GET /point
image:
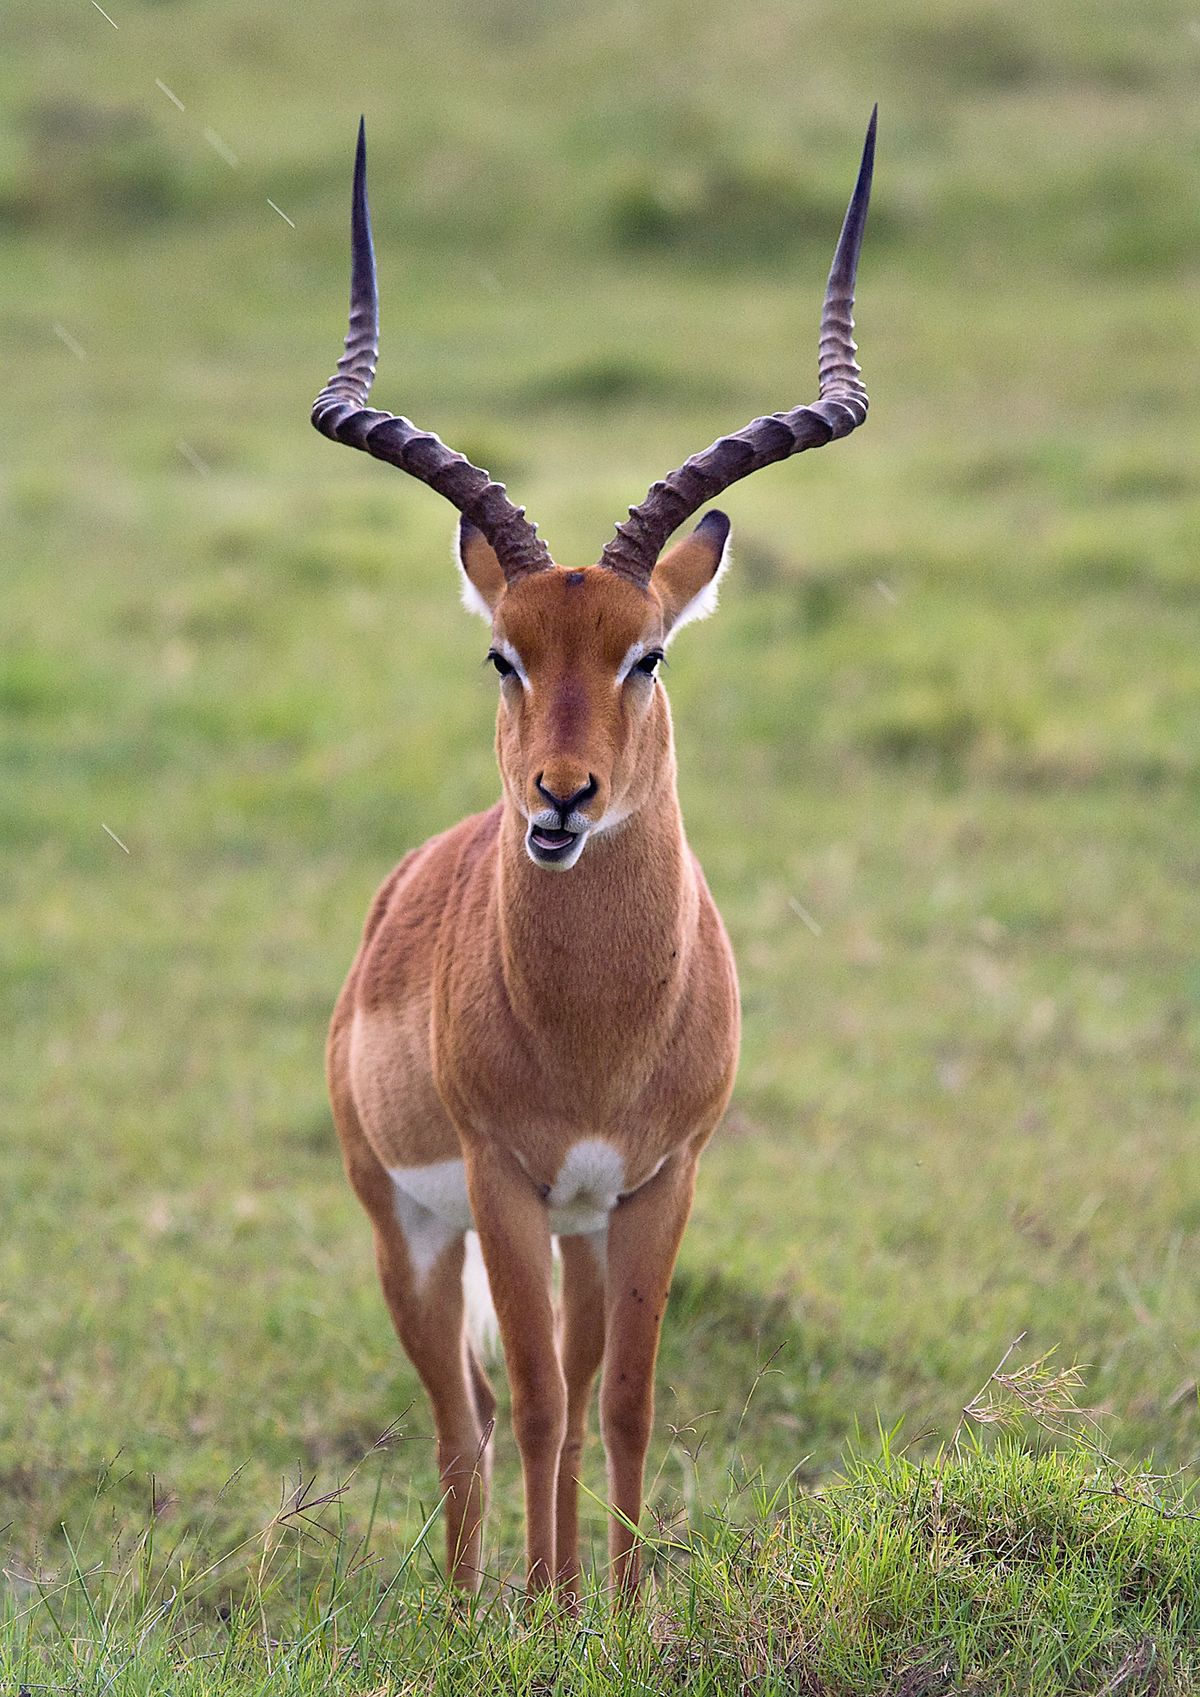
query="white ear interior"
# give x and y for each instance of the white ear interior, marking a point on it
(701, 605)
(472, 600)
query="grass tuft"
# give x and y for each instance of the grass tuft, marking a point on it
(1005, 1570)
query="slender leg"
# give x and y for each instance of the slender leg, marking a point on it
(427, 1311)
(428, 1317)
(582, 1350)
(514, 1233)
(643, 1240)
(481, 1387)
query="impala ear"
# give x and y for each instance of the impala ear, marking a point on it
(688, 575)
(483, 577)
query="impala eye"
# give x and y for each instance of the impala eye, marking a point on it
(501, 664)
(648, 664)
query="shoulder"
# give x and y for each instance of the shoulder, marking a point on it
(434, 863)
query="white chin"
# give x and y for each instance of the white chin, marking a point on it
(561, 860)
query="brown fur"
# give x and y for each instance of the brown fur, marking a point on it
(501, 1012)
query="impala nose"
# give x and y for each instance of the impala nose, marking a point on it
(565, 803)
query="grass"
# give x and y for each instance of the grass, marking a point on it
(983, 1570)
(948, 712)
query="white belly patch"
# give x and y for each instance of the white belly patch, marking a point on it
(587, 1187)
(431, 1210)
(432, 1207)
(439, 1189)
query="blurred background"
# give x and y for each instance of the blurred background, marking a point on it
(939, 751)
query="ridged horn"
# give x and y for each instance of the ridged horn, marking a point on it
(340, 412)
(840, 408)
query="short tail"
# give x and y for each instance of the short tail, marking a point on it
(482, 1328)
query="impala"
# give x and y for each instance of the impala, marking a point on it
(540, 1031)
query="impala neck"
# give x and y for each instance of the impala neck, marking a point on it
(609, 940)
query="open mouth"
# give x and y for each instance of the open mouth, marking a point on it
(550, 843)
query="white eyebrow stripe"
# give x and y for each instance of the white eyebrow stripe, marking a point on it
(633, 654)
(504, 647)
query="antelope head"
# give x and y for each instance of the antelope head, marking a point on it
(583, 728)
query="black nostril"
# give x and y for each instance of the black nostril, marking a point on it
(565, 803)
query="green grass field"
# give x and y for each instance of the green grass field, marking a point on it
(940, 756)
